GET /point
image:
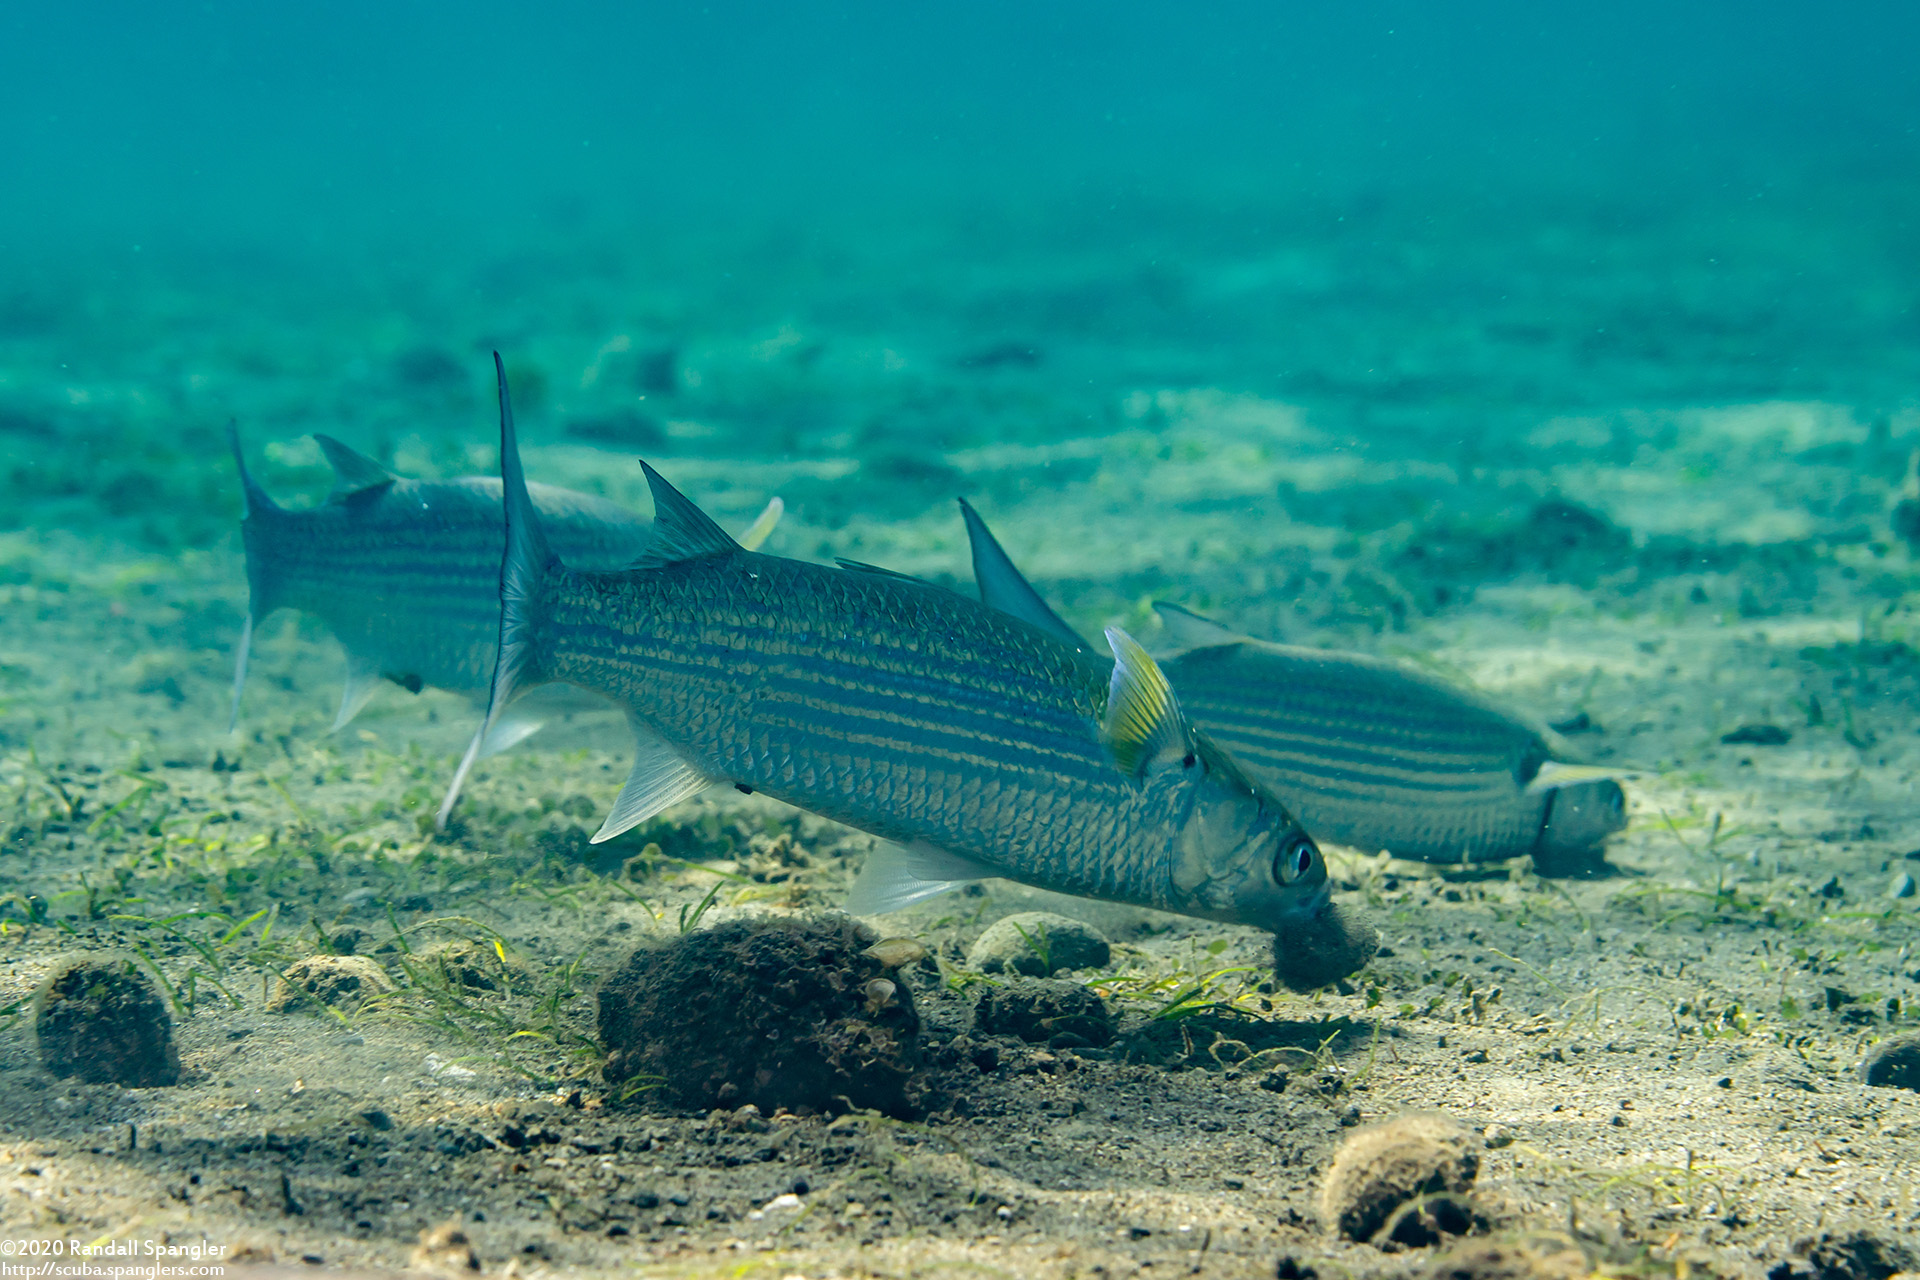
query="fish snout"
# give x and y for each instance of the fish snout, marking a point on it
(1324, 946)
(1584, 814)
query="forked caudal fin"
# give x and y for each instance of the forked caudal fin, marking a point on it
(523, 567)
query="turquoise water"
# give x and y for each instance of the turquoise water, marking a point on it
(1576, 357)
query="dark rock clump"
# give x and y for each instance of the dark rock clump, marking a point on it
(1855, 1255)
(777, 1012)
(1050, 1011)
(98, 1019)
(1894, 1064)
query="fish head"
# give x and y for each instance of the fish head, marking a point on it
(1238, 853)
(1241, 856)
(1584, 814)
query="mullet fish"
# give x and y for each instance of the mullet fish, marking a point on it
(406, 573)
(1367, 752)
(975, 744)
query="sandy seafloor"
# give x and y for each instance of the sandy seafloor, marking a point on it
(1345, 425)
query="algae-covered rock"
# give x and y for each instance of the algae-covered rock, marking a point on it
(1044, 1011)
(341, 981)
(1387, 1179)
(1039, 944)
(776, 1012)
(99, 1019)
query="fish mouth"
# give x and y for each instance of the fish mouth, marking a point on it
(1324, 947)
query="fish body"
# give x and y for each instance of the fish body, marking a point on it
(1378, 756)
(1366, 752)
(975, 743)
(405, 573)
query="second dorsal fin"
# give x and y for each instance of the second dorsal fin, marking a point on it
(1004, 587)
(355, 475)
(681, 531)
(1188, 630)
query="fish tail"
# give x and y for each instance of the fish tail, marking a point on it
(258, 512)
(525, 566)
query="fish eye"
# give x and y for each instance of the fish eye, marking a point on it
(1294, 860)
(1187, 761)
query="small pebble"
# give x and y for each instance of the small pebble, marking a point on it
(1498, 1136)
(896, 953)
(1902, 887)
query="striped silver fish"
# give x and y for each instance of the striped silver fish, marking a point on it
(1368, 753)
(405, 573)
(973, 743)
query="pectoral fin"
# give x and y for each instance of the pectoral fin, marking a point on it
(1144, 725)
(661, 778)
(898, 876)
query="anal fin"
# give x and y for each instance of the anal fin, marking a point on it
(661, 777)
(534, 711)
(363, 677)
(245, 653)
(898, 876)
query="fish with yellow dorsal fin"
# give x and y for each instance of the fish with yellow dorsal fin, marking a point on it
(1367, 752)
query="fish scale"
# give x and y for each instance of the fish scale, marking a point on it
(810, 684)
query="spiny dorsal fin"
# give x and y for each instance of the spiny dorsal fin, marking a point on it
(1188, 630)
(1144, 725)
(1003, 587)
(681, 531)
(355, 475)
